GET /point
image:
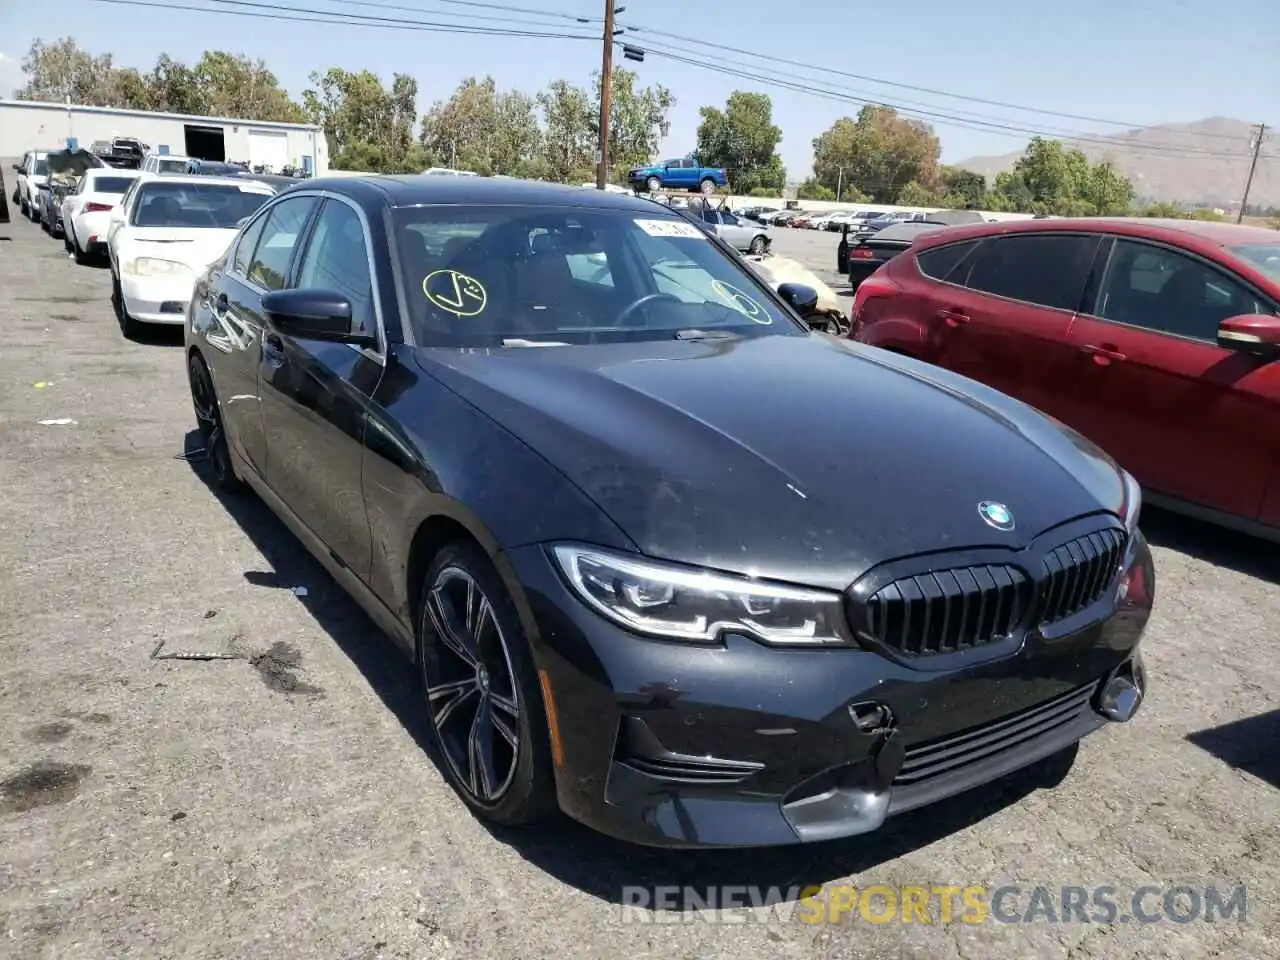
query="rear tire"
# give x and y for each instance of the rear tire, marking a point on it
(480, 690)
(707, 186)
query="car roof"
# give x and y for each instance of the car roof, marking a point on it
(198, 180)
(1199, 232)
(408, 190)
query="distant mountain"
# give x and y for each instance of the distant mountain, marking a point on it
(1201, 163)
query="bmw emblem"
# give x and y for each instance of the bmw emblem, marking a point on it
(996, 515)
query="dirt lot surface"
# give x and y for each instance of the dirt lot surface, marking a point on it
(278, 803)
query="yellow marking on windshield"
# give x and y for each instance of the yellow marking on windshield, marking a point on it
(744, 304)
(455, 292)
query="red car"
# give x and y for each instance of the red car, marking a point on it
(1155, 339)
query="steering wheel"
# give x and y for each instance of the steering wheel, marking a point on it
(646, 299)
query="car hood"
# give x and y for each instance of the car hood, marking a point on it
(197, 247)
(806, 459)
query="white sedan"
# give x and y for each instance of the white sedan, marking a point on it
(164, 233)
(86, 213)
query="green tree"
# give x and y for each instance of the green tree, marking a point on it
(811, 189)
(637, 119)
(174, 87)
(568, 139)
(367, 126)
(879, 153)
(916, 194)
(232, 85)
(481, 129)
(743, 139)
(1052, 179)
(964, 189)
(61, 71)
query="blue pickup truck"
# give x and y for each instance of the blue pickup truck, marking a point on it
(683, 174)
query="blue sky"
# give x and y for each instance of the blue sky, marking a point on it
(1134, 61)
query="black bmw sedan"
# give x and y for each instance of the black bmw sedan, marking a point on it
(663, 556)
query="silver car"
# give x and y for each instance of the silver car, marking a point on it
(745, 235)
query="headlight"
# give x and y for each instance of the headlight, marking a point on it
(1132, 502)
(682, 603)
(151, 267)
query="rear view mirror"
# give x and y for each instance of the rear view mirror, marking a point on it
(801, 298)
(1256, 333)
(313, 315)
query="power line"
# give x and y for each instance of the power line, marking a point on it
(345, 20)
(897, 84)
(703, 61)
(401, 21)
(477, 4)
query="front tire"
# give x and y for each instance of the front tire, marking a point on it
(757, 246)
(653, 184)
(130, 327)
(204, 398)
(480, 690)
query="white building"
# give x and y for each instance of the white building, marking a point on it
(26, 125)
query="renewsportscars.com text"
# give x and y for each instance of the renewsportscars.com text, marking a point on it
(935, 904)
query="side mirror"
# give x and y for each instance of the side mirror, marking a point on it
(313, 315)
(801, 298)
(1256, 333)
(18, 167)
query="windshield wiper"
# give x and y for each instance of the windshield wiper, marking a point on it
(704, 335)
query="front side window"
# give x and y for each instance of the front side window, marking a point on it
(190, 205)
(40, 167)
(245, 246)
(517, 276)
(283, 229)
(337, 259)
(1170, 292)
(1049, 270)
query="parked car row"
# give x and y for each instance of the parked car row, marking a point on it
(1158, 340)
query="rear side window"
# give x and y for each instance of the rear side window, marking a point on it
(1049, 270)
(112, 184)
(939, 263)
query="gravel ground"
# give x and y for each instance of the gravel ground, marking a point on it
(279, 803)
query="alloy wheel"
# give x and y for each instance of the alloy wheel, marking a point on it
(471, 689)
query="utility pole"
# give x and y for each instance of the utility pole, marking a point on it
(839, 183)
(1253, 165)
(606, 94)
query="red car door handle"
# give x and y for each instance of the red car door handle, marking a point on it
(953, 316)
(1108, 353)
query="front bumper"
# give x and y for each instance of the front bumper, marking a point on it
(161, 299)
(671, 744)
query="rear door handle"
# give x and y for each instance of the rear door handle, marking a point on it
(1103, 352)
(953, 317)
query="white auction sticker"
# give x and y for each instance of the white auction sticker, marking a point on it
(670, 228)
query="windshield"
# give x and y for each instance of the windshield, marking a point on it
(535, 276)
(1264, 256)
(196, 205)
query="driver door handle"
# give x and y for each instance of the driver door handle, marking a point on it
(953, 316)
(1104, 352)
(272, 348)
(220, 306)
